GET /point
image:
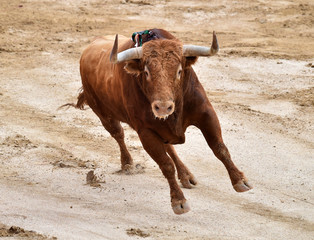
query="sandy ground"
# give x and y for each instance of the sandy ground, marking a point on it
(261, 85)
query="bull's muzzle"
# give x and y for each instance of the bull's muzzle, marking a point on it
(163, 109)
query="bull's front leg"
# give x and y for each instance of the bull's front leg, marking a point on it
(156, 149)
(186, 177)
(208, 123)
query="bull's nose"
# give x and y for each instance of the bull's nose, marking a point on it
(162, 109)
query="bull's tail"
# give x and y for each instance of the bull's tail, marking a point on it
(81, 101)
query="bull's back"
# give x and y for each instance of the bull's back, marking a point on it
(101, 85)
(99, 49)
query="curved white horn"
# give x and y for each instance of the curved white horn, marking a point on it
(193, 50)
(129, 54)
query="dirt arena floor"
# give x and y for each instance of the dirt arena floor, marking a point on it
(261, 84)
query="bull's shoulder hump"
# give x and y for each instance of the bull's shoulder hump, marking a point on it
(112, 37)
(105, 42)
(108, 39)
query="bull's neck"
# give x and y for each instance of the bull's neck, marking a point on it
(176, 122)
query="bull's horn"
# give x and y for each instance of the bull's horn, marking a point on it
(113, 55)
(193, 50)
(129, 54)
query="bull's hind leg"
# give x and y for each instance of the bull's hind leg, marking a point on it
(116, 131)
(185, 176)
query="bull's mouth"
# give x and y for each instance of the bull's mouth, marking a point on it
(165, 117)
(162, 109)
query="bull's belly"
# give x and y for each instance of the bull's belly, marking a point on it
(169, 135)
(177, 140)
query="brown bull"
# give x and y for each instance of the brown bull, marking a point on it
(155, 90)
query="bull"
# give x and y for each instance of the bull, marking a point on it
(154, 89)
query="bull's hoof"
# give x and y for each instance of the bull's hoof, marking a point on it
(242, 186)
(126, 169)
(187, 181)
(130, 169)
(180, 207)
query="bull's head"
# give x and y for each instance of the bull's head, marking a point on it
(160, 66)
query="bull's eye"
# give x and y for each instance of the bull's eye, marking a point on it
(146, 72)
(179, 72)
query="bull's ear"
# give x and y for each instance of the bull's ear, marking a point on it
(133, 67)
(189, 61)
